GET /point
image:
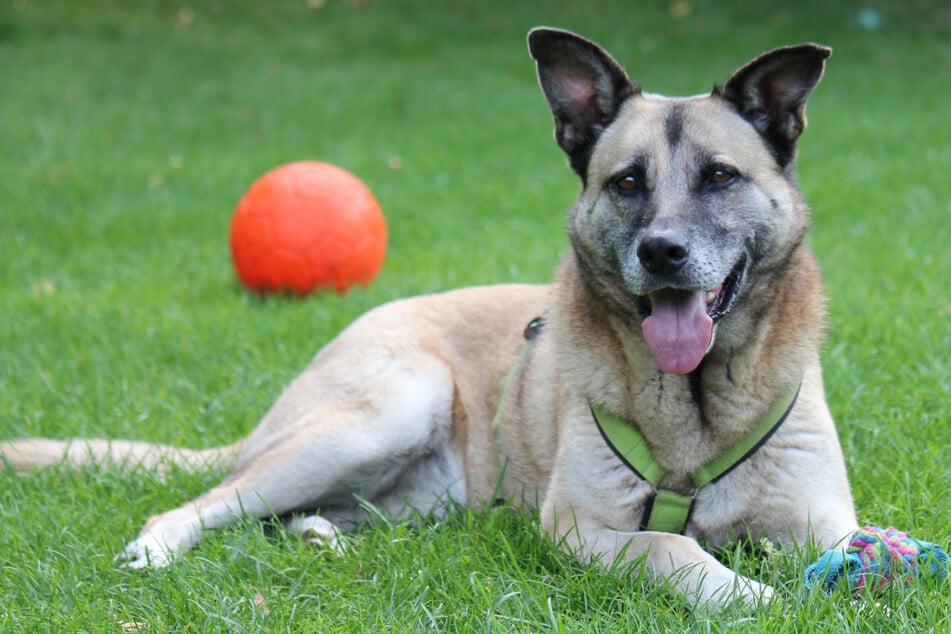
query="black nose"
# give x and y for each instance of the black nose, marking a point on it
(663, 252)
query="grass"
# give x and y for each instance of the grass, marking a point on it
(131, 129)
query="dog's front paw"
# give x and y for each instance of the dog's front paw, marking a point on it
(717, 586)
(753, 593)
(739, 589)
(145, 552)
(319, 532)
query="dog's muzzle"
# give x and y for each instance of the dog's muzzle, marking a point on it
(678, 324)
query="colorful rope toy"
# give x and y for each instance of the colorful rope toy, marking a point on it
(875, 557)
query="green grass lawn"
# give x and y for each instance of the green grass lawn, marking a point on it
(128, 131)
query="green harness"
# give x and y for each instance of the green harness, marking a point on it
(667, 510)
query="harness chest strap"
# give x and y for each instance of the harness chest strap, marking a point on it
(668, 510)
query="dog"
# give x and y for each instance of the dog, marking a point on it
(680, 336)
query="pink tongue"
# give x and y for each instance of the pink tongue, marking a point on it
(678, 330)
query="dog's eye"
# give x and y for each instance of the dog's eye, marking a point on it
(627, 183)
(721, 175)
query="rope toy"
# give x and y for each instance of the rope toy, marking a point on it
(875, 557)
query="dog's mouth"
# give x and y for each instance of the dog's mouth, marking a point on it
(678, 324)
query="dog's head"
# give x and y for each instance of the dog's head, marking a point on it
(683, 199)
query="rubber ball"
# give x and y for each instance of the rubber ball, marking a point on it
(306, 226)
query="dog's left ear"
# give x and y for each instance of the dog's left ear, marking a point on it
(771, 92)
(584, 86)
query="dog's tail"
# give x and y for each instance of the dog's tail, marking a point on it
(25, 454)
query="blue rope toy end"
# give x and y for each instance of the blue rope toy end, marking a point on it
(875, 557)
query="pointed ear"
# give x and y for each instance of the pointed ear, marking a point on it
(771, 92)
(584, 86)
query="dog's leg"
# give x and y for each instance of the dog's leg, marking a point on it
(371, 444)
(673, 559)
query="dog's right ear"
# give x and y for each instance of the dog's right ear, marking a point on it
(771, 92)
(584, 86)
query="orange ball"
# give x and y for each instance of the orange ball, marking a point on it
(307, 225)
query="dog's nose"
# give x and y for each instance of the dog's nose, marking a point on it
(663, 252)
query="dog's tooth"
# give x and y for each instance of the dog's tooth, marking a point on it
(711, 297)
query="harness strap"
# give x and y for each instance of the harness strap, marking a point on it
(750, 443)
(668, 510)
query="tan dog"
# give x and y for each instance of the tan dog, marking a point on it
(685, 316)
